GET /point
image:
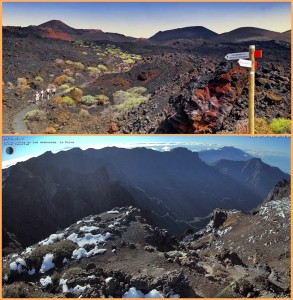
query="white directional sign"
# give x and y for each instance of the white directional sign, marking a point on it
(232, 56)
(245, 63)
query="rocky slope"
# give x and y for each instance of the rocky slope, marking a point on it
(117, 254)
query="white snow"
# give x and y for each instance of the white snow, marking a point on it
(47, 263)
(224, 231)
(21, 261)
(133, 293)
(32, 271)
(113, 212)
(81, 252)
(91, 277)
(52, 239)
(78, 289)
(111, 226)
(45, 281)
(17, 265)
(27, 250)
(174, 296)
(64, 285)
(14, 255)
(88, 239)
(275, 208)
(88, 228)
(108, 279)
(154, 294)
(5, 277)
(13, 266)
(64, 260)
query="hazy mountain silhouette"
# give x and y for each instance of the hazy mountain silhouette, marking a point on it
(54, 190)
(230, 153)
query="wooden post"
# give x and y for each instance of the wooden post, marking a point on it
(251, 90)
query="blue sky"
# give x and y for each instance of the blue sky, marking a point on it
(272, 150)
(143, 19)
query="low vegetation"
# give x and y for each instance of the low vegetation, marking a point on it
(35, 115)
(88, 100)
(131, 98)
(68, 101)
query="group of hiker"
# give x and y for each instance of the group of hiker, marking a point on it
(48, 92)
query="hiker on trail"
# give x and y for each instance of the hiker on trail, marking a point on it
(54, 90)
(42, 94)
(37, 97)
(48, 91)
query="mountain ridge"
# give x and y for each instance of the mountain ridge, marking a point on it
(57, 29)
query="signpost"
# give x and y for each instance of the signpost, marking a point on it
(239, 55)
(251, 63)
(244, 63)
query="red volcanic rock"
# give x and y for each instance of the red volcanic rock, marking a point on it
(204, 110)
(113, 128)
(50, 33)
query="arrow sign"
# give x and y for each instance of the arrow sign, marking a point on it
(232, 56)
(245, 63)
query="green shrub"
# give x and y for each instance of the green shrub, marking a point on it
(62, 79)
(39, 78)
(67, 100)
(102, 68)
(79, 65)
(102, 99)
(281, 125)
(22, 83)
(131, 98)
(129, 61)
(64, 87)
(35, 115)
(76, 94)
(70, 80)
(261, 126)
(62, 249)
(88, 100)
(93, 69)
(69, 62)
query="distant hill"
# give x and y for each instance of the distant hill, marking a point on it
(194, 32)
(253, 174)
(244, 34)
(230, 153)
(56, 29)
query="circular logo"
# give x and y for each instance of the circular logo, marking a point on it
(9, 150)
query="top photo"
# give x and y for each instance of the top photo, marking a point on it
(146, 68)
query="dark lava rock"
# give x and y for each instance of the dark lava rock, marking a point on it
(219, 217)
(90, 266)
(132, 246)
(231, 258)
(204, 110)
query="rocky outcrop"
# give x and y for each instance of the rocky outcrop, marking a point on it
(203, 110)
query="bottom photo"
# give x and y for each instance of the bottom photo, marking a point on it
(146, 217)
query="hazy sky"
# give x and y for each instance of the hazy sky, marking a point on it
(145, 19)
(272, 150)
